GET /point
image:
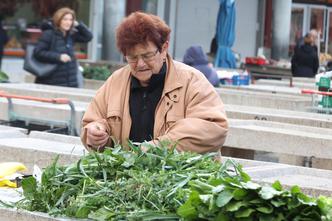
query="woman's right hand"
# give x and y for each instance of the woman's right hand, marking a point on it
(65, 58)
(97, 136)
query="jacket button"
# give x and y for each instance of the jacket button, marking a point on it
(167, 103)
(174, 96)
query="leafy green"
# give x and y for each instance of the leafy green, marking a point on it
(163, 184)
(96, 72)
(3, 77)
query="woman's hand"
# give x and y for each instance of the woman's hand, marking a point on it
(65, 58)
(76, 23)
(97, 136)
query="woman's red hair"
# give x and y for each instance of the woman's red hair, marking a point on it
(139, 28)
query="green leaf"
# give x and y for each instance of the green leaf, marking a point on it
(268, 193)
(129, 160)
(277, 185)
(250, 185)
(305, 200)
(221, 217)
(295, 190)
(3, 76)
(188, 209)
(82, 212)
(239, 194)
(205, 198)
(101, 214)
(235, 205)
(29, 186)
(277, 202)
(223, 198)
(243, 213)
(267, 209)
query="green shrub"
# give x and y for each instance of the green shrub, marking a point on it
(96, 72)
(3, 77)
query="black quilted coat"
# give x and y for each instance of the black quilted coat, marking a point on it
(51, 45)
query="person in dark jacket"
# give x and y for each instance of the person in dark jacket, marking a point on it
(3, 40)
(195, 57)
(56, 45)
(305, 59)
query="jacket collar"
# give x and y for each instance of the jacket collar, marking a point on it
(173, 78)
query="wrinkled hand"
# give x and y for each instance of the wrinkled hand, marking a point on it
(97, 136)
(65, 58)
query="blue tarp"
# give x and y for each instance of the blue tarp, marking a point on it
(225, 34)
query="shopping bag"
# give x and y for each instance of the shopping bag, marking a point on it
(35, 67)
(79, 75)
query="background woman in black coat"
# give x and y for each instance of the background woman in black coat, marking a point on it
(56, 45)
(305, 59)
(3, 40)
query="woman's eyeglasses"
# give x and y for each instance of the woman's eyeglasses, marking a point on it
(145, 57)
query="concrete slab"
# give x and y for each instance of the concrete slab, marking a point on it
(304, 83)
(48, 91)
(277, 115)
(6, 131)
(314, 182)
(14, 68)
(87, 84)
(265, 99)
(303, 80)
(41, 149)
(273, 89)
(280, 138)
(51, 114)
(20, 215)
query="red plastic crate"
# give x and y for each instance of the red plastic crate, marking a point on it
(255, 60)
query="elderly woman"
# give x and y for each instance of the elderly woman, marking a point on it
(56, 45)
(154, 98)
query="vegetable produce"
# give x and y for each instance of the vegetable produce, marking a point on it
(3, 77)
(162, 184)
(96, 72)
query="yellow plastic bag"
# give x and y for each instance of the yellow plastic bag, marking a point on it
(7, 169)
(7, 183)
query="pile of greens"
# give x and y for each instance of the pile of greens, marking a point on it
(96, 72)
(162, 184)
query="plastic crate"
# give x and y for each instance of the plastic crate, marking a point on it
(324, 82)
(255, 60)
(241, 80)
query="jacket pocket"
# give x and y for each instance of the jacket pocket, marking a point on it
(171, 119)
(114, 120)
(114, 117)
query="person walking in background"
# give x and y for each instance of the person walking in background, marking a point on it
(56, 45)
(154, 98)
(315, 40)
(3, 40)
(305, 61)
(195, 57)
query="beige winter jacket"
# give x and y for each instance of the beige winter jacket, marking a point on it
(190, 112)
